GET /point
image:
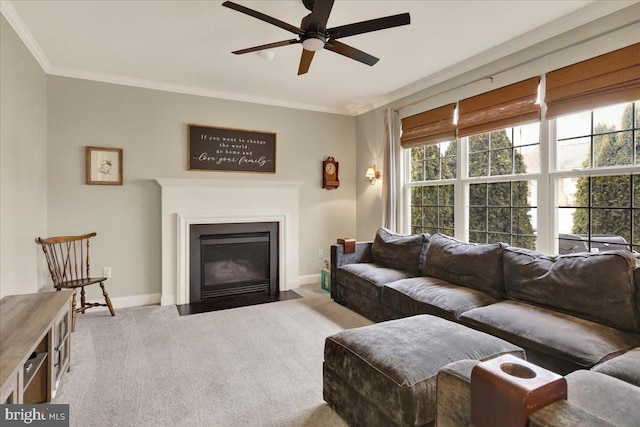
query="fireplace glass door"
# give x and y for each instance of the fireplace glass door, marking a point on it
(233, 259)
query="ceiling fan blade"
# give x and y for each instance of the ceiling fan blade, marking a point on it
(351, 52)
(368, 26)
(305, 61)
(263, 17)
(266, 46)
(321, 11)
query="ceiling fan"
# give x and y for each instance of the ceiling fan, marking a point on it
(314, 35)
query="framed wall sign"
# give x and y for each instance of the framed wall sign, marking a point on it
(231, 150)
(104, 166)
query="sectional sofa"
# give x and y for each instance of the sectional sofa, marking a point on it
(568, 312)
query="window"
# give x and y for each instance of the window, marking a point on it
(432, 204)
(569, 182)
(599, 138)
(433, 162)
(502, 212)
(598, 212)
(432, 208)
(500, 136)
(505, 152)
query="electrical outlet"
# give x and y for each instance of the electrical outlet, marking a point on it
(106, 271)
(320, 253)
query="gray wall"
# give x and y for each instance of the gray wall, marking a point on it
(370, 146)
(151, 127)
(23, 165)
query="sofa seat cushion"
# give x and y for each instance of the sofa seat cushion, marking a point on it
(595, 286)
(625, 367)
(368, 279)
(399, 251)
(391, 367)
(429, 295)
(593, 399)
(581, 342)
(466, 264)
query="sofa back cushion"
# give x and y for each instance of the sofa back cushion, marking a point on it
(467, 264)
(595, 286)
(399, 251)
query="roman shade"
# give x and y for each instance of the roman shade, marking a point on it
(508, 106)
(430, 127)
(606, 79)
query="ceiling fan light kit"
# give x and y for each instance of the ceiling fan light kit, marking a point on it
(314, 34)
(313, 43)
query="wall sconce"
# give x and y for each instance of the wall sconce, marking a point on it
(373, 174)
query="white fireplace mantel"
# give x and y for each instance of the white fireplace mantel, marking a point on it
(207, 201)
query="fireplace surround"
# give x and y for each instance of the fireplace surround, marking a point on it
(214, 201)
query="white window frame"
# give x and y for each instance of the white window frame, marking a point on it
(461, 187)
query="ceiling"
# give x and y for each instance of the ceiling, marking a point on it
(185, 46)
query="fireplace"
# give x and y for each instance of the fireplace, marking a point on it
(232, 259)
(187, 202)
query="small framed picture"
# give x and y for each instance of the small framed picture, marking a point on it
(104, 166)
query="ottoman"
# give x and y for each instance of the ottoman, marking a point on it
(385, 374)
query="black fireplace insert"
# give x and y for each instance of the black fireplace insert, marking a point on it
(233, 259)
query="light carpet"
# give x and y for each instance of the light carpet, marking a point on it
(250, 366)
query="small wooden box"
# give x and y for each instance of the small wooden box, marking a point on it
(506, 390)
(349, 244)
(325, 279)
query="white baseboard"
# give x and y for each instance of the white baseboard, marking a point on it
(133, 301)
(168, 300)
(291, 284)
(310, 279)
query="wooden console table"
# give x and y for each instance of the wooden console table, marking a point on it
(33, 323)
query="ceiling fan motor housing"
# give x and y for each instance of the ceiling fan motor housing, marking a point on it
(315, 35)
(309, 4)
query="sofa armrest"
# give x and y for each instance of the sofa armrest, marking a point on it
(339, 258)
(454, 402)
(563, 414)
(453, 390)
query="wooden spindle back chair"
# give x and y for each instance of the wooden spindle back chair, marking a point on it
(69, 266)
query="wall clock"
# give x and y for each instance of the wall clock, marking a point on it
(330, 174)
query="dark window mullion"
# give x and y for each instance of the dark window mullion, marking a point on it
(511, 208)
(592, 162)
(631, 194)
(486, 209)
(634, 135)
(513, 152)
(590, 201)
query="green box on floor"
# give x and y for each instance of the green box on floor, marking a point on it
(325, 279)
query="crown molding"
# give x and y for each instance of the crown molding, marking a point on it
(188, 90)
(10, 14)
(559, 26)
